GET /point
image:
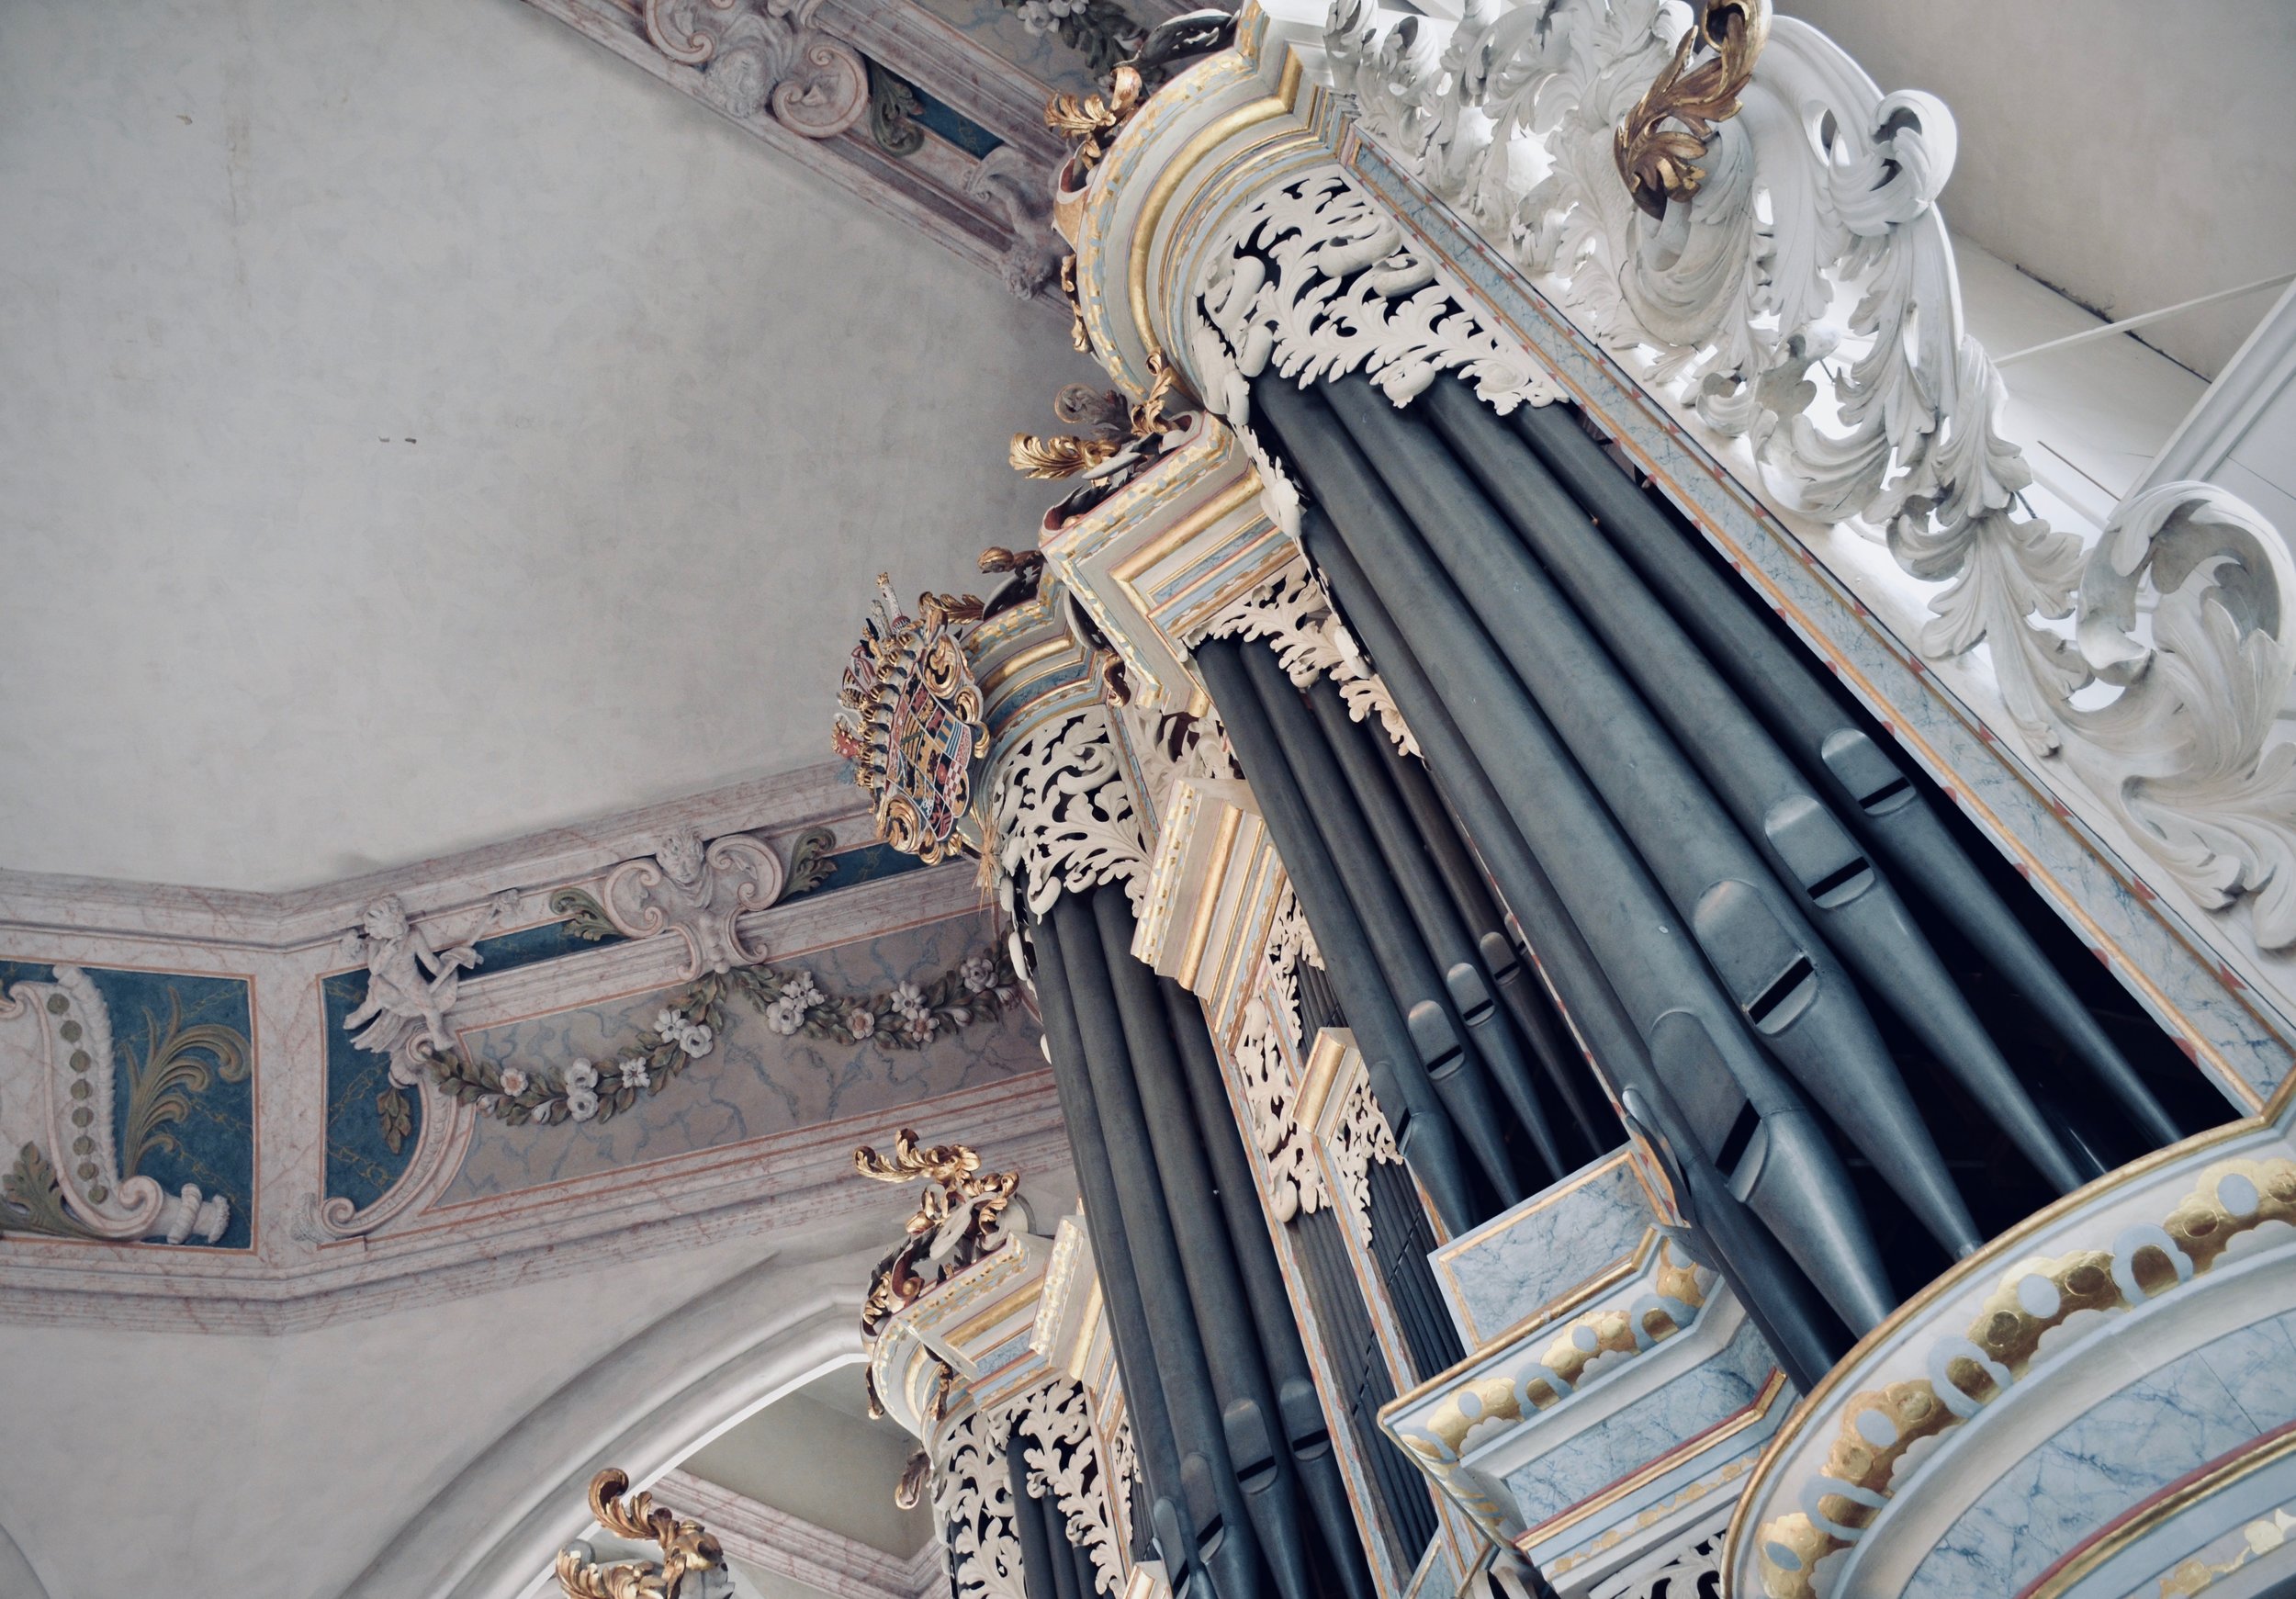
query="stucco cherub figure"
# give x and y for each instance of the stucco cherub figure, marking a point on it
(411, 981)
(700, 893)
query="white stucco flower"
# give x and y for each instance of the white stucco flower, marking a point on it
(635, 1074)
(860, 1022)
(919, 1028)
(1036, 17)
(667, 1022)
(801, 991)
(978, 972)
(909, 1000)
(784, 1018)
(580, 1076)
(580, 1104)
(514, 1081)
(696, 1039)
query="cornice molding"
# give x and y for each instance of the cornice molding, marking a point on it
(786, 1545)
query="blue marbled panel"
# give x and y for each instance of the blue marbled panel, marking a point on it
(199, 1122)
(1589, 1460)
(755, 1083)
(1534, 1253)
(2129, 1447)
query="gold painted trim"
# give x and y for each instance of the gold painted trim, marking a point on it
(1730, 1427)
(1208, 896)
(2005, 1248)
(1021, 660)
(1227, 500)
(1331, 1047)
(1002, 1310)
(2268, 1450)
(1207, 138)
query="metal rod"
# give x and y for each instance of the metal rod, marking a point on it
(1399, 1083)
(1226, 1542)
(1307, 1432)
(1112, 1260)
(1844, 895)
(1440, 929)
(1782, 976)
(1643, 962)
(1875, 797)
(1436, 1027)
(2143, 319)
(1246, 1398)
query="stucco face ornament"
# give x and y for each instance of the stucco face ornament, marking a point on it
(909, 720)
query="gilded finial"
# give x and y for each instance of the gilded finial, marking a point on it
(688, 1551)
(1660, 163)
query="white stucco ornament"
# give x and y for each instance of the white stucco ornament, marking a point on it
(699, 894)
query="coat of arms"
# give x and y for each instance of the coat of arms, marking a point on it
(909, 720)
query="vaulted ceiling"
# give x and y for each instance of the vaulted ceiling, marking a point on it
(424, 427)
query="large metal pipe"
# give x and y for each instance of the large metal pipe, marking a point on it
(1246, 1399)
(1157, 1443)
(1040, 1565)
(1440, 929)
(1399, 1083)
(1306, 1433)
(1509, 965)
(1849, 900)
(1436, 1027)
(1641, 952)
(1226, 1541)
(1876, 798)
(1783, 977)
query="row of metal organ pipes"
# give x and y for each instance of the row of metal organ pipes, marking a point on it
(1644, 826)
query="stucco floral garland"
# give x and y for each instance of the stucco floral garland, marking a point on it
(906, 1017)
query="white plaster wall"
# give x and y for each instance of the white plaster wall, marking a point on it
(822, 1462)
(2133, 154)
(420, 428)
(383, 1449)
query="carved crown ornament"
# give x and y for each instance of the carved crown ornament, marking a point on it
(955, 1226)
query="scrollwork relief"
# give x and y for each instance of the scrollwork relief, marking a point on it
(1798, 186)
(1359, 1137)
(1292, 612)
(698, 893)
(1065, 817)
(972, 1498)
(756, 56)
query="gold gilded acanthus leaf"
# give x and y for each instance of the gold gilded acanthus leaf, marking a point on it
(688, 1551)
(1092, 118)
(1660, 163)
(1060, 454)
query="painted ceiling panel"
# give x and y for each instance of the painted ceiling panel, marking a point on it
(425, 428)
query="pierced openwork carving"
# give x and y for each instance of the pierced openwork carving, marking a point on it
(972, 1503)
(1359, 1137)
(1271, 1089)
(1052, 1429)
(1315, 278)
(692, 1567)
(1065, 817)
(1721, 293)
(758, 55)
(1292, 612)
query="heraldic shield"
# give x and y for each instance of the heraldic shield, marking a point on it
(909, 720)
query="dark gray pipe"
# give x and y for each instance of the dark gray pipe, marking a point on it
(1782, 976)
(1307, 1434)
(1225, 1539)
(1112, 1260)
(1440, 929)
(1646, 961)
(1040, 1570)
(1850, 901)
(1776, 1297)
(1246, 1399)
(1422, 1128)
(1888, 812)
(1508, 966)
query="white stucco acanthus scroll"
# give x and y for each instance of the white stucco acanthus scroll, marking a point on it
(1051, 1427)
(972, 1501)
(1269, 1073)
(1805, 305)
